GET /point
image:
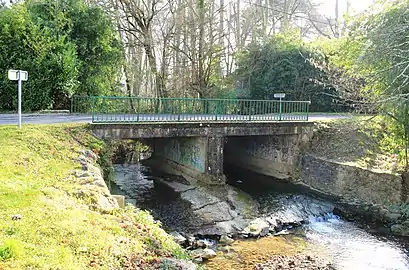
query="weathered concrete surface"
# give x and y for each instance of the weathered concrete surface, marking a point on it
(191, 175)
(196, 151)
(275, 155)
(198, 158)
(139, 131)
(190, 152)
(350, 182)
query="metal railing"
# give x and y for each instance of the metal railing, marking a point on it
(81, 104)
(136, 109)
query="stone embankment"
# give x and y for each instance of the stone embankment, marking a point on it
(94, 189)
(93, 186)
(362, 192)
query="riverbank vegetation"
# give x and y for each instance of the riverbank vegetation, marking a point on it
(45, 224)
(369, 142)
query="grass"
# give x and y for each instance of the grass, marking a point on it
(363, 141)
(58, 230)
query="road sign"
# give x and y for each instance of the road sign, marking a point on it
(18, 75)
(14, 75)
(279, 95)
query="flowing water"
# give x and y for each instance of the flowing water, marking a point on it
(348, 246)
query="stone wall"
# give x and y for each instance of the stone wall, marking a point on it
(350, 182)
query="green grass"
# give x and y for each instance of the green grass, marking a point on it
(58, 230)
(364, 141)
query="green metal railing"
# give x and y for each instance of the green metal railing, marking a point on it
(81, 104)
(135, 109)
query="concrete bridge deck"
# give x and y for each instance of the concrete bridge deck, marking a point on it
(199, 150)
(11, 119)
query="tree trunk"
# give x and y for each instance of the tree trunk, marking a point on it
(201, 72)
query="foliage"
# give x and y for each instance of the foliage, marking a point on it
(67, 47)
(285, 64)
(363, 141)
(377, 49)
(37, 182)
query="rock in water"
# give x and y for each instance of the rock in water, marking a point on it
(225, 240)
(178, 238)
(204, 243)
(258, 227)
(206, 253)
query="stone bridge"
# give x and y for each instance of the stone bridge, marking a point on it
(198, 151)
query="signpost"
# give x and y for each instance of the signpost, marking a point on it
(18, 75)
(280, 96)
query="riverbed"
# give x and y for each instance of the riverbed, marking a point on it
(344, 244)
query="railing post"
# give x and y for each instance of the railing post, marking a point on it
(179, 109)
(137, 108)
(216, 109)
(250, 104)
(280, 109)
(308, 109)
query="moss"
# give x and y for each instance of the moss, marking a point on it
(57, 229)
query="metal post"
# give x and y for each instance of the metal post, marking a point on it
(308, 109)
(179, 109)
(281, 109)
(138, 108)
(19, 99)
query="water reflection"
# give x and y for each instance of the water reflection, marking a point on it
(353, 248)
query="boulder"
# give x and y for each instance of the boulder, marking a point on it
(180, 239)
(225, 240)
(400, 229)
(391, 217)
(205, 254)
(258, 227)
(203, 243)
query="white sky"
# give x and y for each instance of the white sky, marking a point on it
(328, 6)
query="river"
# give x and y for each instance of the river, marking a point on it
(345, 244)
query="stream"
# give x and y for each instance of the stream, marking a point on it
(344, 243)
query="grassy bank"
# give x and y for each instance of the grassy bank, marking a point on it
(44, 225)
(366, 142)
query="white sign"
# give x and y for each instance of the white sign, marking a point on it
(280, 95)
(13, 75)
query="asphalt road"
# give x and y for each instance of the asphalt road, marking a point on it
(11, 119)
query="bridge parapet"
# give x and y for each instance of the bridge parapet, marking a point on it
(136, 109)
